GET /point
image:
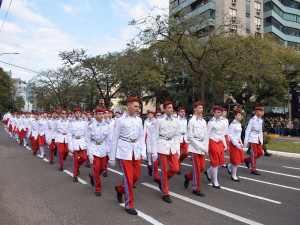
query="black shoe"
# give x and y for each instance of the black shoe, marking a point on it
(61, 169)
(249, 151)
(255, 173)
(98, 194)
(75, 179)
(158, 182)
(34, 153)
(199, 193)
(78, 172)
(20, 143)
(224, 166)
(228, 170)
(237, 180)
(186, 181)
(51, 162)
(119, 195)
(105, 174)
(178, 173)
(268, 154)
(167, 199)
(247, 164)
(132, 211)
(149, 171)
(218, 187)
(44, 155)
(205, 172)
(91, 181)
(134, 186)
(88, 166)
(55, 154)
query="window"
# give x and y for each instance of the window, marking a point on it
(232, 13)
(257, 21)
(247, 32)
(257, 5)
(174, 4)
(283, 15)
(286, 30)
(247, 15)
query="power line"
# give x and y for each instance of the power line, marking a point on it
(19, 67)
(5, 15)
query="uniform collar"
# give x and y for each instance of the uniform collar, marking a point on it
(126, 115)
(216, 120)
(167, 118)
(197, 119)
(182, 118)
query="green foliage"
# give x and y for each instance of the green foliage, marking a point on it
(267, 140)
(5, 89)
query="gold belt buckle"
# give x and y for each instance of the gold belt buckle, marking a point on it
(201, 140)
(98, 143)
(169, 138)
(183, 133)
(64, 133)
(77, 137)
(132, 140)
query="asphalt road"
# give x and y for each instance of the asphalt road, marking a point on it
(34, 192)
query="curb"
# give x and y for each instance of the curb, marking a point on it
(286, 154)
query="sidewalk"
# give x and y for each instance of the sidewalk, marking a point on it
(285, 154)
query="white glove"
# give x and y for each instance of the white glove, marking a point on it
(178, 154)
(91, 158)
(144, 157)
(112, 162)
(71, 150)
(240, 147)
(245, 145)
(154, 157)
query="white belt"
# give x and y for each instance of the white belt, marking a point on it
(97, 142)
(128, 139)
(62, 133)
(165, 138)
(77, 137)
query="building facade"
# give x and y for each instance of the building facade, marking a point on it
(21, 89)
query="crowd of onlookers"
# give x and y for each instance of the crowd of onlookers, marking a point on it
(283, 127)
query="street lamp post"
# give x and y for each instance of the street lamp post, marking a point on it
(9, 53)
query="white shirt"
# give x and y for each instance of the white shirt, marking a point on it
(165, 136)
(34, 128)
(61, 129)
(128, 127)
(98, 133)
(42, 126)
(197, 136)
(215, 131)
(183, 129)
(147, 123)
(234, 133)
(254, 132)
(148, 139)
(225, 125)
(76, 135)
(25, 123)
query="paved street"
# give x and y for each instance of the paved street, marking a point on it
(34, 192)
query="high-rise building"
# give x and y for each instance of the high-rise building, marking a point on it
(282, 19)
(249, 13)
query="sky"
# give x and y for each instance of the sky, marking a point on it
(39, 29)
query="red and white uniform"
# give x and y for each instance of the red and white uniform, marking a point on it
(236, 146)
(165, 143)
(50, 138)
(128, 146)
(33, 131)
(152, 164)
(98, 136)
(182, 122)
(198, 147)
(61, 129)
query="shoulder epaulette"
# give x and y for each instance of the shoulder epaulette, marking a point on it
(90, 122)
(162, 116)
(57, 119)
(234, 122)
(252, 118)
(211, 120)
(119, 116)
(106, 121)
(175, 116)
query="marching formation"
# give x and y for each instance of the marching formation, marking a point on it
(164, 141)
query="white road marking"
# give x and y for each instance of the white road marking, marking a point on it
(186, 164)
(115, 171)
(267, 171)
(28, 148)
(71, 174)
(208, 207)
(70, 154)
(146, 217)
(250, 195)
(147, 166)
(46, 160)
(291, 167)
(264, 182)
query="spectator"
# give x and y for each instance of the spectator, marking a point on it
(282, 127)
(272, 126)
(287, 125)
(292, 130)
(243, 122)
(277, 126)
(296, 127)
(229, 100)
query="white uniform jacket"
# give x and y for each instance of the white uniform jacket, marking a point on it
(128, 137)
(225, 126)
(34, 128)
(215, 131)
(50, 131)
(234, 133)
(183, 129)
(165, 136)
(98, 137)
(147, 124)
(254, 132)
(76, 135)
(20, 124)
(25, 122)
(42, 126)
(197, 136)
(149, 132)
(61, 129)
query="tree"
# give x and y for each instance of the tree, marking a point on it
(5, 89)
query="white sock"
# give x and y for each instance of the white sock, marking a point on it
(42, 150)
(214, 173)
(25, 141)
(229, 167)
(233, 173)
(149, 159)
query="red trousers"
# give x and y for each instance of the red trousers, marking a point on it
(154, 168)
(131, 172)
(52, 149)
(227, 143)
(183, 153)
(63, 152)
(34, 144)
(98, 167)
(10, 128)
(166, 174)
(236, 155)
(198, 167)
(41, 140)
(216, 153)
(77, 162)
(256, 152)
(107, 158)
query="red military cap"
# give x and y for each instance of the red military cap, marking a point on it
(259, 108)
(111, 112)
(99, 110)
(217, 108)
(83, 113)
(63, 110)
(158, 112)
(133, 99)
(55, 111)
(118, 112)
(50, 113)
(236, 111)
(77, 110)
(44, 111)
(223, 109)
(181, 108)
(168, 103)
(90, 112)
(198, 103)
(174, 111)
(35, 113)
(150, 112)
